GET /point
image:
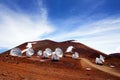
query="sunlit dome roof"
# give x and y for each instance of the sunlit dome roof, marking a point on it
(69, 49)
(29, 45)
(102, 58)
(75, 55)
(39, 53)
(15, 52)
(29, 52)
(48, 51)
(59, 52)
(54, 56)
(98, 61)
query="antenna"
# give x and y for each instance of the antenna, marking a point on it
(39, 53)
(15, 52)
(59, 52)
(48, 51)
(45, 55)
(55, 57)
(29, 52)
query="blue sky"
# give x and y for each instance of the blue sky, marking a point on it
(95, 23)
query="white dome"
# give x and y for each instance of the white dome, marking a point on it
(29, 52)
(59, 52)
(15, 52)
(98, 61)
(39, 53)
(29, 45)
(45, 54)
(48, 51)
(69, 49)
(75, 55)
(102, 58)
(54, 56)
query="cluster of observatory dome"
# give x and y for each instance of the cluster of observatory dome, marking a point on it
(47, 53)
(55, 55)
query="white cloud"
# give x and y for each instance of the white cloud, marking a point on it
(102, 35)
(118, 49)
(104, 43)
(16, 28)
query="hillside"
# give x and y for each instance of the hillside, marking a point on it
(34, 68)
(82, 49)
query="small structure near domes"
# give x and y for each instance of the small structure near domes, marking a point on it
(88, 69)
(29, 44)
(112, 66)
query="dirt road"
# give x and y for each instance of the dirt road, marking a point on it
(86, 62)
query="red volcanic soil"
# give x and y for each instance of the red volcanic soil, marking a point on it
(22, 68)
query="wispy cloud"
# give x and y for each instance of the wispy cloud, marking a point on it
(17, 28)
(94, 29)
(102, 35)
(118, 49)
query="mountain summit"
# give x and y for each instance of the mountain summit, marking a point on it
(82, 49)
(66, 60)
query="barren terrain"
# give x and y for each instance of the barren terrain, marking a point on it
(34, 68)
